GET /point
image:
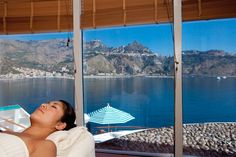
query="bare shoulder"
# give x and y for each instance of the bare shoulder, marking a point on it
(45, 148)
(48, 144)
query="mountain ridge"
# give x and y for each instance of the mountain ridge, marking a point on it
(99, 59)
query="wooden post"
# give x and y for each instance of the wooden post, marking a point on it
(78, 63)
(178, 132)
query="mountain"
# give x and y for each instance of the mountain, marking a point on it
(48, 55)
(99, 59)
(132, 59)
(135, 59)
(95, 46)
(210, 63)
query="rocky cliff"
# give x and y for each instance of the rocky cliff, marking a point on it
(99, 59)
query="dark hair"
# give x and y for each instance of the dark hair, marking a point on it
(69, 115)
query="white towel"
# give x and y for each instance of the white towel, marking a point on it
(12, 146)
(77, 142)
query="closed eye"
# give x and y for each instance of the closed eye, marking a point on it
(54, 107)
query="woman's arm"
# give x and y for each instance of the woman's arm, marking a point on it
(45, 149)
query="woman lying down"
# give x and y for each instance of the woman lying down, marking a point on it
(33, 142)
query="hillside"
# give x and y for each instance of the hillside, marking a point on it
(47, 55)
(99, 59)
(135, 59)
(210, 63)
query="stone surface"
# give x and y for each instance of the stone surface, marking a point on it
(209, 139)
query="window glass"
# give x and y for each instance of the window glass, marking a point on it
(35, 69)
(209, 87)
(128, 87)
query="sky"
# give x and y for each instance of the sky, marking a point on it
(199, 35)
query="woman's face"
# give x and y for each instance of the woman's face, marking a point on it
(48, 114)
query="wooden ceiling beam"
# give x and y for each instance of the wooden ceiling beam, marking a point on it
(124, 12)
(59, 15)
(94, 13)
(5, 18)
(31, 16)
(155, 12)
(199, 8)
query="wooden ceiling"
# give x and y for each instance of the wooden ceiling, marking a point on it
(34, 16)
(99, 13)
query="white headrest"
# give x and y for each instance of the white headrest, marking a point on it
(76, 142)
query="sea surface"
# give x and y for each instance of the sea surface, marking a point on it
(149, 100)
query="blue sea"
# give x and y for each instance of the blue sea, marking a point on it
(149, 100)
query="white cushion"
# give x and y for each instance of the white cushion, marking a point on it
(76, 142)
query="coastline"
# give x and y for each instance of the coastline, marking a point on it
(200, 139)
(109, 77)
(38, 77)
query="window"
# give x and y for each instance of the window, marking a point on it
(131, 70)
(209, 87)
(35, 69)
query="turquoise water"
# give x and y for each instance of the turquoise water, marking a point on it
(149, 100)
(11, 107)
